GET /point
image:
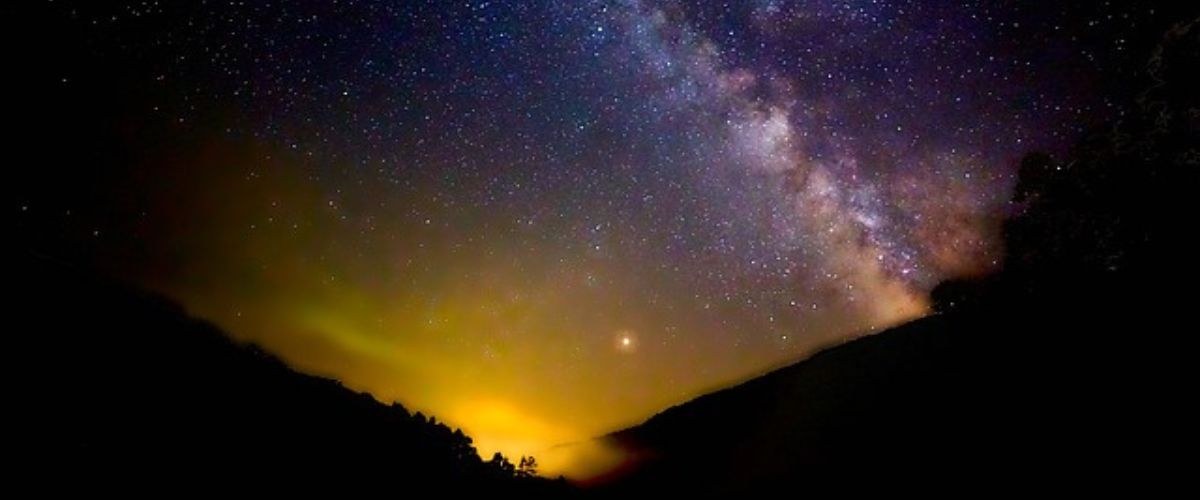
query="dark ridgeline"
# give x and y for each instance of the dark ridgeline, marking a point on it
(120, 388)
(1068, 366)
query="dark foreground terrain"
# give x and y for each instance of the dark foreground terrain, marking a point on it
(1070, 387)
(118, 387)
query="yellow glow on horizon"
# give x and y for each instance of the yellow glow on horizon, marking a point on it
(498, 426)
(523, 348)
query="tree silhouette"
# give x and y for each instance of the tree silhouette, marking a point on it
(527, 467)
(501, 465)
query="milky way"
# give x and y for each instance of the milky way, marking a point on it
(542, 221)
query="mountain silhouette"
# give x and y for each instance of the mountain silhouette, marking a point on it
(1006, 393)
(117, 387)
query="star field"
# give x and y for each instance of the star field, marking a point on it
(541, 221)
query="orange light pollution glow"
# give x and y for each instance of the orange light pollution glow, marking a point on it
(529, 352)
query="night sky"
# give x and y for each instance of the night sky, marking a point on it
(543, 221)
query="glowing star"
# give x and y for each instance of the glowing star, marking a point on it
(625, 341)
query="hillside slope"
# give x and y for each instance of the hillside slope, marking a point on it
(121, 385)
(1014, 393)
